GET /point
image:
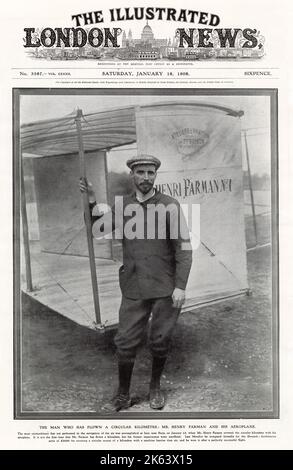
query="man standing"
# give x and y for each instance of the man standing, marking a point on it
(156, 264)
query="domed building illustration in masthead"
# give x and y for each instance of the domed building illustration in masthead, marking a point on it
(147, 33)
(147, 36)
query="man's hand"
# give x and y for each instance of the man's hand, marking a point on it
(86, 186)
(178, 297)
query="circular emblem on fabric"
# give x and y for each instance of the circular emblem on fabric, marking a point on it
(189, 141)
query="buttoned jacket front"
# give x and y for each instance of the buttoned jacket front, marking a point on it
(157, 254)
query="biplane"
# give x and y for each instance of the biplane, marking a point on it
(199, 144)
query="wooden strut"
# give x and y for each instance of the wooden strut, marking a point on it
(88, 222)
(250, 189)
(25, 232)
(108, 200)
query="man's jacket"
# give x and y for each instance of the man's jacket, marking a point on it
(157, 253)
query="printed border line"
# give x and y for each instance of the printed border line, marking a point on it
(273, 93)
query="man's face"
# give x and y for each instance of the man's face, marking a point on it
(144, 177)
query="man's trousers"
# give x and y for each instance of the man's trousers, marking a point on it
(133, 319)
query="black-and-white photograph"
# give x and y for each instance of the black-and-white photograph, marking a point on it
(145, 253)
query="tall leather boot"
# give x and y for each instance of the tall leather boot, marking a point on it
(157, 397)
(121, 400)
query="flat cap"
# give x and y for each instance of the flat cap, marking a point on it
(143, 159)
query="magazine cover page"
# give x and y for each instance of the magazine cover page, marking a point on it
(146, 226)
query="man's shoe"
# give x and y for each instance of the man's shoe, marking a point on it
(119, 402)
(157, 399)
